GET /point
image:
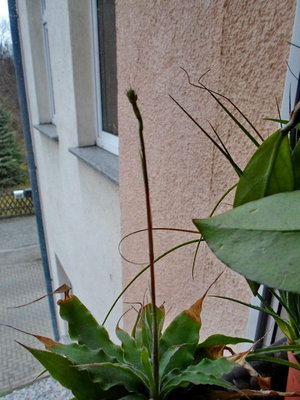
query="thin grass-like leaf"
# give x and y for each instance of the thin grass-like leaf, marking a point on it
(234, 165)
(225, 194)
(213, 92)
(145, 230)
(141, 273)
(235, 120)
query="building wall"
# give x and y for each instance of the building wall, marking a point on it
(80, 206)
(244, 44)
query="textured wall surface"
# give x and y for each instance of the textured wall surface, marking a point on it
(245, 46)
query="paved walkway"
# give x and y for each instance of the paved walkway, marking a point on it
(21, 281)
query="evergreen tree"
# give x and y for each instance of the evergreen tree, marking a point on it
(11, 172)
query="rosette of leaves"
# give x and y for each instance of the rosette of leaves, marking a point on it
(95, 368)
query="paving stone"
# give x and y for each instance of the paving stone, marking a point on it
(19, 284)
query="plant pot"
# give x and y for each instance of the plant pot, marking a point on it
(293, 380)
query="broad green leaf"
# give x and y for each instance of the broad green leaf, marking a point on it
(207, 372)
(110, 375)
(85, 329)
(81, 354)
(131, 352)
(259, 240)
(213, 347)
(177, 358)
(134, 397)
(165, 359)
(79, 382)
(216, 340)
(143, 328)
(147, 367)
(184, 329)
(296, 164)
(269, 171)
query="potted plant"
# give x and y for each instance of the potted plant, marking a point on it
(151, 362)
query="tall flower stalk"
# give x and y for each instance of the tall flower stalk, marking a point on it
(155, 351)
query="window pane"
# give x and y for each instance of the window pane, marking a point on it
(108, 65)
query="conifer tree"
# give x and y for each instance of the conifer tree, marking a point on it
(11, 172)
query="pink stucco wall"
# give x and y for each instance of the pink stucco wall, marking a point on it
(244, 44)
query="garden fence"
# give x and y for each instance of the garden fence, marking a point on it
(13, 207)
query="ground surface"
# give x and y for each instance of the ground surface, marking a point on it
(21, 280)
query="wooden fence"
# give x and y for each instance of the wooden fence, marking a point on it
(13, 207)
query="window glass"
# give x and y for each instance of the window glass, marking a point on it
(108, 65)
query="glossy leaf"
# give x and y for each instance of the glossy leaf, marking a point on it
(269, 171)
(85, 329)
(260, 240)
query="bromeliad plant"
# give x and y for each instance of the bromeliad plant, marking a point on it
(94, 368)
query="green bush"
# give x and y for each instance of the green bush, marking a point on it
(11, 172)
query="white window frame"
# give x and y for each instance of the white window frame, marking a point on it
(106, 140)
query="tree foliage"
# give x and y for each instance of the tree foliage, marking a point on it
(11, 172)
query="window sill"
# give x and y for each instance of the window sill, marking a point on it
(48, 130)
(101, 160)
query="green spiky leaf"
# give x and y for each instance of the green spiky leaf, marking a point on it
(85, 329)
(184, 329)
(131, 351)
(143, 328)
(207, 372)
(81, 354)
(110, 375)
(79, 382)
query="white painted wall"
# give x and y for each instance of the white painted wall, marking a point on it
(80, 206)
